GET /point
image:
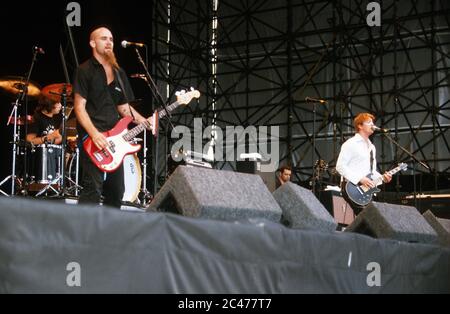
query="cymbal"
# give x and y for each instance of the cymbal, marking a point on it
(21, 120)
(54, 91)
(13, 85)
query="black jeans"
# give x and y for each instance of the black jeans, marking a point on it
(94, 184)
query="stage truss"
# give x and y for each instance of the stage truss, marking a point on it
(255, 62)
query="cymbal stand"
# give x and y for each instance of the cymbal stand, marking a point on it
(20, 97)
(75, 186)
(16, 138)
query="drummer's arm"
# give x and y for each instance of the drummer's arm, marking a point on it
(85, 121)
(55, 137)
(35, 140)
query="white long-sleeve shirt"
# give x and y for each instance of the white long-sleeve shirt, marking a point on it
(354, 159)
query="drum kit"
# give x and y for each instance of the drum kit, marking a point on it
(37, 168)
(42, 170)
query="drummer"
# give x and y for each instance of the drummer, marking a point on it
(46, 122)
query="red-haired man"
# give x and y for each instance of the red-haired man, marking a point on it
(358, 158)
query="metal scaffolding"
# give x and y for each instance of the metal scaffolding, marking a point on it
(263, 58)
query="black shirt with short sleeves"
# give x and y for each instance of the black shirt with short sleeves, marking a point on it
(43, 125)
(90, 82)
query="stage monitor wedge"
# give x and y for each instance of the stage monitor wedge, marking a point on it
(397, 222)
(440, 225)
(302, 210)
(214, 194)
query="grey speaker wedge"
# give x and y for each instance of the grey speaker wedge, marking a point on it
(397, 222)
(440, 225)
(302, 210)
(215, 194)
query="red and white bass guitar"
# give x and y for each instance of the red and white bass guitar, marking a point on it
(120, 138)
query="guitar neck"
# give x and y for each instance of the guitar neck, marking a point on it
(162, 113)
(379, 180)
(140, 128)
(134, 132)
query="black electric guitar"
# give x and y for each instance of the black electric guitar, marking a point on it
(362, 195)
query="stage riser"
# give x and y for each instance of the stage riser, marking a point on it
(43, 243)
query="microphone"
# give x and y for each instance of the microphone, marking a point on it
(138, 75)
(126, 44)
(322, 101)
(377, 129)
(38, 50)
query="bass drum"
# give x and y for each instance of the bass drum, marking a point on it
(132, 177)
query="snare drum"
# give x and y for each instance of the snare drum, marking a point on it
(132, 177)
(45, 165)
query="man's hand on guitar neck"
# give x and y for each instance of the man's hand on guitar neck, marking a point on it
(143, 121)
(387, 177)
(370, 184)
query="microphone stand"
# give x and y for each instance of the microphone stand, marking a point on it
(63, 191)
(414, 159)
(154, 89)
(313, 179)
(64, 122)
(61, 178)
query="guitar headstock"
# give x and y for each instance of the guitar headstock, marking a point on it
(183, 97)
(402, 166)
(321, 165)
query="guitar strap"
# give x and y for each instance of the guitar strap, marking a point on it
(122, 87)
(371, 161)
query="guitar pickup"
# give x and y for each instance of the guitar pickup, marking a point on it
(112, 147)
(105, 153)
(101, 154)
(364, 189)
(361, 190)
(98, 156)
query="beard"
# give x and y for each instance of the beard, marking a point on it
(111, 58)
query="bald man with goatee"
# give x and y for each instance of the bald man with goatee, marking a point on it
(102, 95)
